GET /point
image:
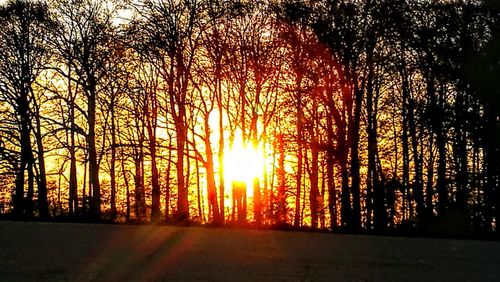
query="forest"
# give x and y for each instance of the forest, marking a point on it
(372, 115)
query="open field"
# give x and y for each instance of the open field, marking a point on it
(83, 252)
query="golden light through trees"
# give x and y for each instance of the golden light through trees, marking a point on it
(332, 113)
(243, 163)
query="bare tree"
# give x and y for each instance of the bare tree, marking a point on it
(22, 56)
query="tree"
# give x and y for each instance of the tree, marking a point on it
(171, 29)
(22, 56)
(87, 53)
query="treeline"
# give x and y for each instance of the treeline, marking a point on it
(368, 114)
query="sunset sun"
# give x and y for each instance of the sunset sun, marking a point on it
(243, 163)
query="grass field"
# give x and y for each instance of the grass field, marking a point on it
(91, 252)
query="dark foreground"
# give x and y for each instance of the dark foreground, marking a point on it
(83, 252)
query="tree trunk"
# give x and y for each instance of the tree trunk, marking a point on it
(125, 180)
(222, 182)
(257, 203)
(429, 193)
(113, 161)
(491, 187)
(139, 193)
(182, 197)
(417, 164)
(265, 196)
(345, 196)
(355, 174)
(281, 181)
(460, 150)
(209, 166)
(167, 181)
(322, 218)
(198, 189)
(31, 189)
(405, 149)
(330, 173)
(73, 181)
(43, 206)
(298, 189)
(314, 193)
(441, 147)
(156, 194)
(95, 200)
(23, 206)
(84, 190)
(375, 192)
(296, 220)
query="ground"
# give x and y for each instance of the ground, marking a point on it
(90, 252)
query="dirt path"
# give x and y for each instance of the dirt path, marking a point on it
(83, 252)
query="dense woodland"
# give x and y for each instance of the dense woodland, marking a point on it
(365, 114)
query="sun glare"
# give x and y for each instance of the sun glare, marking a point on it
(243, 163)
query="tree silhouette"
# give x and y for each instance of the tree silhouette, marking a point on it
(23, 55)
(373, 115)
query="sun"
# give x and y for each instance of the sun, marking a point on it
(243, 163)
